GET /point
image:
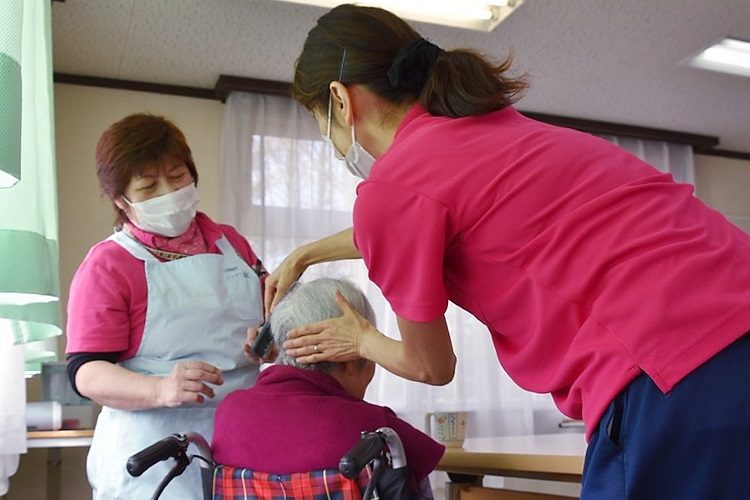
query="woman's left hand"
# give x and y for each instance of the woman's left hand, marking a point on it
(335, 339)
(270, 356)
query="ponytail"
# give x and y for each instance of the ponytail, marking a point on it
(464, 83)
(390, 59)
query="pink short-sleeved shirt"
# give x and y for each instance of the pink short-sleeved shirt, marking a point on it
(587, 265)
(108, 294)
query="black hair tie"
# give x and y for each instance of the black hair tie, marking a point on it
(412, 64)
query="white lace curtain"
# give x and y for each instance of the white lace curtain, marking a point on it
(676, 159)
(281, 187)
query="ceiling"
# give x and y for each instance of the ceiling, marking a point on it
(607, 60)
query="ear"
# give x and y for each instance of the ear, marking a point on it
(119, 203)
(341, 102)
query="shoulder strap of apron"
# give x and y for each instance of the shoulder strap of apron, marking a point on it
(133, 246)
(229, 251)
(140, 252)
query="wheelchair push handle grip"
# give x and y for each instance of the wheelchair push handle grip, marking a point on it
(170, 446)
(369, 446)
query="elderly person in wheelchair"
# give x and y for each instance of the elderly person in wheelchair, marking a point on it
(303, 431)
(306, 417)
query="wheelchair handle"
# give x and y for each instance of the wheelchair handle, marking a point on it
(171, 446)
(396, 447)
(369, 446)
(204, 450)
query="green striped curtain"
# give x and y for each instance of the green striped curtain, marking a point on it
(29, 262)
(11, 22)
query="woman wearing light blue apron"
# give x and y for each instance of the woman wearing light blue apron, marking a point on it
(158, 312)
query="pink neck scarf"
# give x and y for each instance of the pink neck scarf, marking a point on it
(191, 242)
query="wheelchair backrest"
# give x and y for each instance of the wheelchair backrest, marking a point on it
(231, 483)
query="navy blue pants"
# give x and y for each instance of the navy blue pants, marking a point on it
(692, 443)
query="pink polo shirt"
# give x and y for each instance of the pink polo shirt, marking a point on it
(587, 265)
(109, 294)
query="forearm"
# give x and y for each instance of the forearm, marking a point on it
(425, 353)
(390, 354)
(112, 385)
(339, 246)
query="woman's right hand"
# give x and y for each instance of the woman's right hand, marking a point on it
(331, 248)
(187, 383)
(277, 283)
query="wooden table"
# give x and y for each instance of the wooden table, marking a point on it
(60, 439)
(551, 457)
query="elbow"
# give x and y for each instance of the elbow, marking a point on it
(440, 374)
(86, 379)
(83, 384)
(441, 379)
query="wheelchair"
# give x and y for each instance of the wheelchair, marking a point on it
(374, 468)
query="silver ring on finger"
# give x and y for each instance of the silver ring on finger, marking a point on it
(315, 348)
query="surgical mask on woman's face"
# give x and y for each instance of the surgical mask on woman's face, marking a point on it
(357, 159)
(167, 215)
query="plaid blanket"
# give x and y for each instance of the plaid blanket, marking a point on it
(230, 483)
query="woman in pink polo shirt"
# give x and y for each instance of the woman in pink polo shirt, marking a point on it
(158, 312)
(601, 280)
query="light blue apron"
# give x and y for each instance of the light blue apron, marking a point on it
(199, 308)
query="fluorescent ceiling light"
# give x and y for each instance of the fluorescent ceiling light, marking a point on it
(728, 56)
(482, 15)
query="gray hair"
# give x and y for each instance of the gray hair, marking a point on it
(312, 302)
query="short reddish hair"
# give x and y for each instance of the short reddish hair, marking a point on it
(134, 144)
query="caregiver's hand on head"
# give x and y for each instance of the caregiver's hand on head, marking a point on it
(335, 339)
(187, 383)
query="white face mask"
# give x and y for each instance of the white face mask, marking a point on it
(167, 215)
(357, 159)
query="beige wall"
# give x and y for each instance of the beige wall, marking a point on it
(723, 183)
(82, 113)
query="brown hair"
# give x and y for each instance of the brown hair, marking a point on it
(134, 144)
(459, 82)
